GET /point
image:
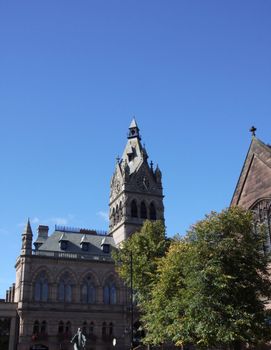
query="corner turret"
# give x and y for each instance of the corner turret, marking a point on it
(27, 237)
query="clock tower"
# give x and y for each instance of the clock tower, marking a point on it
(136, 189)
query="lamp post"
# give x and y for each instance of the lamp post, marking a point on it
(131, 302)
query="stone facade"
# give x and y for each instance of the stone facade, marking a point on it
(136, 189)
(68, 279)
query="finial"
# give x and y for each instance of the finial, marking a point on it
(253, 130)
(117, 159)
(151, 164)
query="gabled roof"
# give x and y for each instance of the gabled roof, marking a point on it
(255, 178)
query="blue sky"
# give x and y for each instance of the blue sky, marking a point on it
(195, 74)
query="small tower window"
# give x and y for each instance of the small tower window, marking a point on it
(134, 209)
(143, 211)
(152, 212)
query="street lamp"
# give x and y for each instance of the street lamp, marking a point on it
(131, 302)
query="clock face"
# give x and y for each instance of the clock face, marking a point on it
(143, 183)
(117, 187)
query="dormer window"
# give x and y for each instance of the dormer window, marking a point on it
(63, 245)
(105, 246)
(84, 243)
(84, 246)
(63, 242)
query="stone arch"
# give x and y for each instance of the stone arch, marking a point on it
(143, 210)
(117, 213)
(133, 208)
(64, 271)
(41, 284)
(152, 211)
(93, 274)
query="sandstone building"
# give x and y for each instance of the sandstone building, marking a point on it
(67, 279)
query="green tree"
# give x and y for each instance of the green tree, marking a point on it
(211, 287)
(145, 247)
(163, 315)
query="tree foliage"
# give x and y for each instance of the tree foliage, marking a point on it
(211, 286)
(145, 247)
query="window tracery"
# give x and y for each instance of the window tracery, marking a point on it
(262, 220)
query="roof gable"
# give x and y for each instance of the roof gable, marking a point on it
(255, 178)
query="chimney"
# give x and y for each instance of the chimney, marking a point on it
(43, 231)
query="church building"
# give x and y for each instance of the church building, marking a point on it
(67, 279)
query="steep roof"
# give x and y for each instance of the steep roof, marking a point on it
(255, 178)
(74, 239)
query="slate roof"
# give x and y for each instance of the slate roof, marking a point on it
(74, 239)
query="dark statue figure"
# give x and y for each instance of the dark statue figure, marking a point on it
(79, 340)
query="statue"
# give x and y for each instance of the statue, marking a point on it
(78, 340)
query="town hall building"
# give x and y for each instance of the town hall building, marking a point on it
(67, 279)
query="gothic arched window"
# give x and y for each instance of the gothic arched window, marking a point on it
(41, 287)
(110, 293)
(117, 214)
(120, 211)
(84, 328)
(262, 220)
(111, 328)
(104, 329)
(134, 209)
(43, 328)
(68, 328)
(36, 328)
(113, 216)
(91, 328)
(152, 212)
(65, 288)
(143, 210)
(60, 327)
(88, 291)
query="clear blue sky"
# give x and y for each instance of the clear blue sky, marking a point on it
(196, 75)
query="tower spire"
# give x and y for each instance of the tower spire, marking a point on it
(27, 237)
(133, 130)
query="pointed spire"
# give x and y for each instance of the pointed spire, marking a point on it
(133, 130)
(28, 229)
(133, 124)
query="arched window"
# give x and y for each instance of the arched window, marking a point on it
(152, 212)
(104, 329)
(143, 210)
(36, 328)
(41, 287)
(117, 214)
(84, 328)
(68, 328)
(134, 209)
(111, 328)
(110, 293)
(91, 328)
(43, 328)
(120, 211)
(262, 221)
(88, 291)
(113, 216)
(61, 327)
(65, 288)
